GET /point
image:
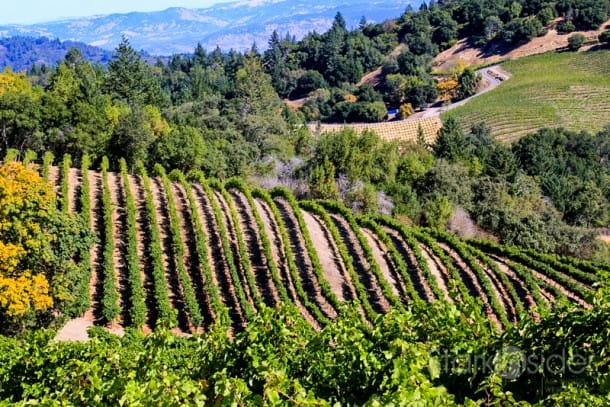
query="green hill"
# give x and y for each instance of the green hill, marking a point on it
(570, 90)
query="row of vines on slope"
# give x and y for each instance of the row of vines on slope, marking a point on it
(190, 299)
(165, 315)
(471, 269)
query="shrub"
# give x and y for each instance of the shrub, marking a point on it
(576, 41)
(604, 37)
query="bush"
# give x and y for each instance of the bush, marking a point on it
(308, 82)
(604, 37)
(566, 27)
(576, 41)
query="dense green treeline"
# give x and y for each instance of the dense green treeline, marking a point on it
(230, 119)
(221, 111)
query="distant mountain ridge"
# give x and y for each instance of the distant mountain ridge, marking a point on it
(234, 25)
(20, 53)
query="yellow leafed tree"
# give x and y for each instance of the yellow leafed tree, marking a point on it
(33, 255)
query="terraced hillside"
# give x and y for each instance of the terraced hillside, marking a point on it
(570, 90)
(190, 253)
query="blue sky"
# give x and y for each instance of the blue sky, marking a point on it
(34, 11)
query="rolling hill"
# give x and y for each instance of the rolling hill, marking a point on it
(20, 53)
(187, 254)
(570, 90)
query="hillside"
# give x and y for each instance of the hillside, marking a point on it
(496, 52)
(233, 25)
(216, 253)
(570, 90)
(20, 53)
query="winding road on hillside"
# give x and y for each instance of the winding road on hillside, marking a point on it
(491, 77)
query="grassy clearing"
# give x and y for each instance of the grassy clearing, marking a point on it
(570, 90)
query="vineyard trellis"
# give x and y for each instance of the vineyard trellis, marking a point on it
(262, 270)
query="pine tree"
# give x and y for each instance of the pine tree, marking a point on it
(130, 79)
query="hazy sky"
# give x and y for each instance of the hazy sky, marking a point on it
(34, 11)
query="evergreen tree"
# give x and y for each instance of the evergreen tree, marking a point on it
(129, 79)
(451, 143)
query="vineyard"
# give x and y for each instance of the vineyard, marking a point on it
(401, 130)
(188, 254)
(569, 90)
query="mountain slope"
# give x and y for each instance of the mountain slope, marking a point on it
(20, 53)
(234, 25)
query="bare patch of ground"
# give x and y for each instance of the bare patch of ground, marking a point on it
(74, 330)
(334, 271)
(296, 104)
(74, 183)
(382, 257)
(373, 78)
(471, 55)
(54, 177)
(438, 270)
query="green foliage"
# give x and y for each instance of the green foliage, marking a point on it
(11, 155)
(85, 214)
(137, 312)
(451, 143)
(359, 157)
(130, 80)
(308, 82)
(322, 181)
(47, 161)
(468, 83)
(110, 296)
(424, 355)
(29, 157)
(182, 148)
(576, 41)
(564, 162)
(166, 316)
